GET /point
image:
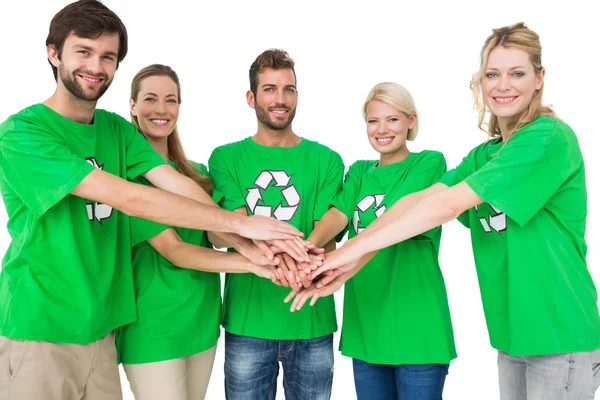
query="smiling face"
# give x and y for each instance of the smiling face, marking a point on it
(387, 129)
(156, 106)
(86, 67)
(276, 98)
(509, 82)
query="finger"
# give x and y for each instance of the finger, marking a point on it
(320, 270)
(291, 265)
(326, 279)
(264, 247)
(294, 249)
(300, 300)
(285, 229)
(305, 280)
(314, 299)
(291, 295)
(281, 275)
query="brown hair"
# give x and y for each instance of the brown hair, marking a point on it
(514, 36)
(175, 149)
(87, 19)
(272, 58)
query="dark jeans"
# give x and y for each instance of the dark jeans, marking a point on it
(252, 366)
(399, 382)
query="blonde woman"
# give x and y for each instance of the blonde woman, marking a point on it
(523, 195)
(396, 324)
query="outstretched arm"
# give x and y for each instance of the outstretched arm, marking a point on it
(420, 212)
(185, 255)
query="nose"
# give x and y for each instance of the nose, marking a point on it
(160, 108)
(94, 65)
(503, 83)
(382, 128)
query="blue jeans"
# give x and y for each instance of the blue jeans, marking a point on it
(252, 366)
(399, 382)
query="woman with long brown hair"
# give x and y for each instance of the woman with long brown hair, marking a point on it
(168, 352)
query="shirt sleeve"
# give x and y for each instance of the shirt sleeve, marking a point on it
(521, 179)
(332, 184)
(232, 196)
(141, 157)
(429, 171)
(39, 168)
(454, 177)
(345, 199)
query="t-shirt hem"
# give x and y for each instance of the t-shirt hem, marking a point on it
(540, 351)
(169, 355)
(287, 336)
(398, 360)
(57, 338)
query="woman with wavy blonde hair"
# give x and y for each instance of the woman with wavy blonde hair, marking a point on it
(523, 196)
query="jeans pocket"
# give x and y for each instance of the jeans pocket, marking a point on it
(18, 350)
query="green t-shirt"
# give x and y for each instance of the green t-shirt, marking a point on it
(396, 308)
(296, 185)
(528, 240)
(178, 310)
(66, 276)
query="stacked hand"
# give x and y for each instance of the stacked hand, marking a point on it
(338, 266)
(297, 260)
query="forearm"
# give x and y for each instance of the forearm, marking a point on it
(427, 213)
(190, 256)
(333, 222)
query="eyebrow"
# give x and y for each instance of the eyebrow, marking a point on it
(88, 48)
(274, 85)
(510, 69)
(154, 94)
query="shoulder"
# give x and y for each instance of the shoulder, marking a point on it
(201, 168)
(113, 119)
(29, 120)
(323, 152)
(229, 148)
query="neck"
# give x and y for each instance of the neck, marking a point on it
(503, 125)
(400, 155)
(71, 107)
(161, 146)
(276, 138)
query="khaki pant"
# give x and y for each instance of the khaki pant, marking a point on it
(33, 370)
(180, 379)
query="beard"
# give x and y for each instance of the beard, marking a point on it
(70, 82)
(263, 117)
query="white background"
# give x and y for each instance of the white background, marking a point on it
(341, 49)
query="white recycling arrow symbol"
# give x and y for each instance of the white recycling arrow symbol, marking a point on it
(289, 192)
(97, 211)
(366, 203)
(497, 221)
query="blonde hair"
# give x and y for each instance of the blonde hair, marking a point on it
(514, 36)
(174, 147)
(396, 96)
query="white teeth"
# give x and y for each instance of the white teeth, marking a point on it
(91, 79)
(504, 99)
(159, 121)
(384, 140)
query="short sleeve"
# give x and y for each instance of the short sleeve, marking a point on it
(143, 229)
(521, 178)
(229, 190)
(331, 186)
(141, 157)
(39, 168)
(345, 200)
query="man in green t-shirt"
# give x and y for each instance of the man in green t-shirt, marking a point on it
(66, 280)
(276, 173)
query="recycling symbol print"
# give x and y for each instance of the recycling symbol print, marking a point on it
(286, 205)
(97, 211)
(492, 219)
(371, 202)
